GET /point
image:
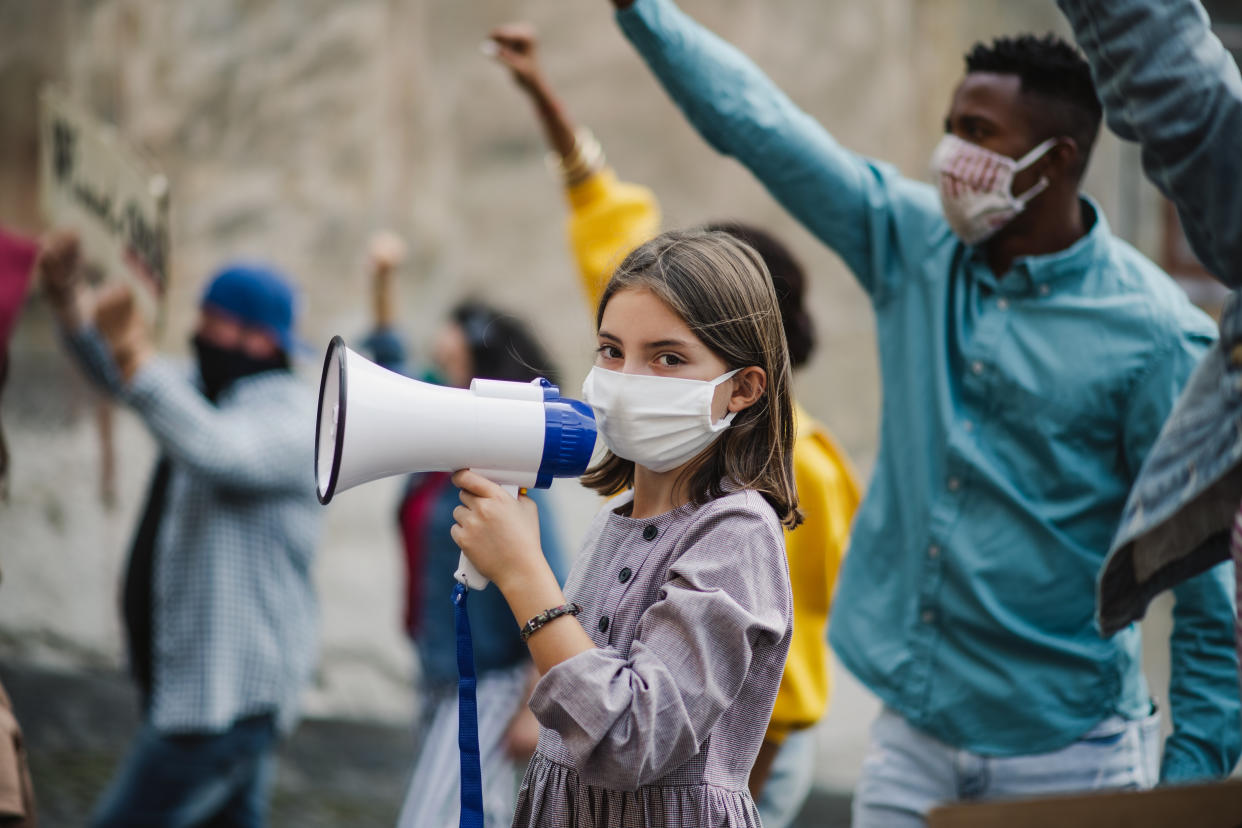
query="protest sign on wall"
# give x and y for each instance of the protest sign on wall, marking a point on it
(92, 182)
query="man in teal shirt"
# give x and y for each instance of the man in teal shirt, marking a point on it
(1028, 358)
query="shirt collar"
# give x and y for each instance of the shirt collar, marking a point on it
(1040, 274)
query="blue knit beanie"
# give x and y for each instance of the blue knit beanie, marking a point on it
(257, 296)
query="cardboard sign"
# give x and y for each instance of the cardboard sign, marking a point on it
(1216, 805)
(92, 183)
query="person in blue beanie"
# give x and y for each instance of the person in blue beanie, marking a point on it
(219, 605)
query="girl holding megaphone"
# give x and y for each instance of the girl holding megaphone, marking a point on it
(661, 658)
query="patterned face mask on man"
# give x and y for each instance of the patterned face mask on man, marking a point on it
(976, 186)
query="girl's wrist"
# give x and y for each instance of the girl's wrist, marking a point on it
(530, 592)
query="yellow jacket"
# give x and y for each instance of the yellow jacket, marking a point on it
(609, 218)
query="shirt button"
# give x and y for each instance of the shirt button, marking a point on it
(624, 575)
(977, 367)
(954, 484)
(1002, 304)
(933, 551)
(928, 616)
(603, 623)
(1044, 290)
(968, 425)
(650, 532)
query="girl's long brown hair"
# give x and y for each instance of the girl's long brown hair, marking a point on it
(719, 286)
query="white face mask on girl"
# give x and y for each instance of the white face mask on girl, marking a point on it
(658, 422)
(976, 186)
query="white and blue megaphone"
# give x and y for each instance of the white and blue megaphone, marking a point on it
(375, 423)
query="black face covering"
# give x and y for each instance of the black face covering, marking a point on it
(219, 367)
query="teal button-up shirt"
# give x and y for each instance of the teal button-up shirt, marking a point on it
(1017, 411)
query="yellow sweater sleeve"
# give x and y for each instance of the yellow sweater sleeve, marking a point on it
(608, 218)
(829, 495)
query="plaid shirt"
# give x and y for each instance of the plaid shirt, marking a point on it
(234, 610)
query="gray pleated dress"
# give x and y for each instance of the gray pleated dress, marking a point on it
(658, 727)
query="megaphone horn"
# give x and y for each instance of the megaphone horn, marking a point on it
(375, 423)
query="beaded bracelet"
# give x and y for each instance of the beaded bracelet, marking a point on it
(533, 625)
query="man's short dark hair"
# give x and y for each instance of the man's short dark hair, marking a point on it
(1054, 72)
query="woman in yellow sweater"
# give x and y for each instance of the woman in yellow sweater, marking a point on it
(609, 218)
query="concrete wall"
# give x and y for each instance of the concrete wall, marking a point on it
(291, 129)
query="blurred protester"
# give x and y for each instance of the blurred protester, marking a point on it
(476, 341)
(608, 219)
(1168, 83)
(17, 803)
(219, 603)
(1028, 361)
(17, 256)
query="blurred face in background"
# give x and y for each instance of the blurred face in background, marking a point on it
(451, 354)
(227, 332)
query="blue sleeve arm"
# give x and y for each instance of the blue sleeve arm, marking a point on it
(386, 350)
(1167, 82)
(91, 354)
(847, 201)
(1203, 687)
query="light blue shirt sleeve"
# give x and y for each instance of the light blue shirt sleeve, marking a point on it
(863, 210)
(91, 354)
(1168, 83)
(1203, 683)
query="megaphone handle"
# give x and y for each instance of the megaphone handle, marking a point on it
(466, 573)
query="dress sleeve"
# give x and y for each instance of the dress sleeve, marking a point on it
(608, 218)
(634, 718)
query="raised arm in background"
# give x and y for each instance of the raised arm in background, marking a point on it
(608, 217)
(1168, 83)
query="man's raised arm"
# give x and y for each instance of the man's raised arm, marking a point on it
(847, 201)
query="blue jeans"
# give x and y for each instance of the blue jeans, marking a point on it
(789, 780)
(209, 779)
(906, 773)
